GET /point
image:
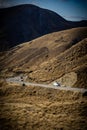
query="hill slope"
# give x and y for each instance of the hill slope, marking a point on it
(26, 22)
(57, 56)
(36, 108)
(50, 57)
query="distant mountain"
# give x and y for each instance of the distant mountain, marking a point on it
(26, 22)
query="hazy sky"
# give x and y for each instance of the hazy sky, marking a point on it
(70, 9)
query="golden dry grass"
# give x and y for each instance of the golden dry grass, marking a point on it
(35, 108)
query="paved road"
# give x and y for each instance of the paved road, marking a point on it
(18, 81)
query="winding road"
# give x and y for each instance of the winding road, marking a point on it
(18, 81)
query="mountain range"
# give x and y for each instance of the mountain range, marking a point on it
(24, 23)
(43, 47)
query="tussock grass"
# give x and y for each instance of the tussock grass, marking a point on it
(34, 108)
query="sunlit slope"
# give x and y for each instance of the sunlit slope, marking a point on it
(50, 57)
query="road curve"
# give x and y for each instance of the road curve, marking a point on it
(13, 80)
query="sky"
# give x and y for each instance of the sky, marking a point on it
(73, 10)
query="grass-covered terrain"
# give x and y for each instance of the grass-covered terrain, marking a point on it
(35, 108)
(50, 58)
(58, 56)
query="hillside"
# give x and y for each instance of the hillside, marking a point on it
(26, 22)
(35, 108)
(58, 56)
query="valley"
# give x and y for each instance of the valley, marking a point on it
(43, 70)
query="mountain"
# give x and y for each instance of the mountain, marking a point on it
(23, 23)
(58, 56)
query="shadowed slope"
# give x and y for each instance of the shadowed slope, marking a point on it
(26, 22)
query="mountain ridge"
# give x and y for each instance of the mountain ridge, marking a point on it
(24, 23)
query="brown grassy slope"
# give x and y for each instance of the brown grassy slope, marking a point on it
(73, 59)
(35, 108)
(47, 46)
(50, 57)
